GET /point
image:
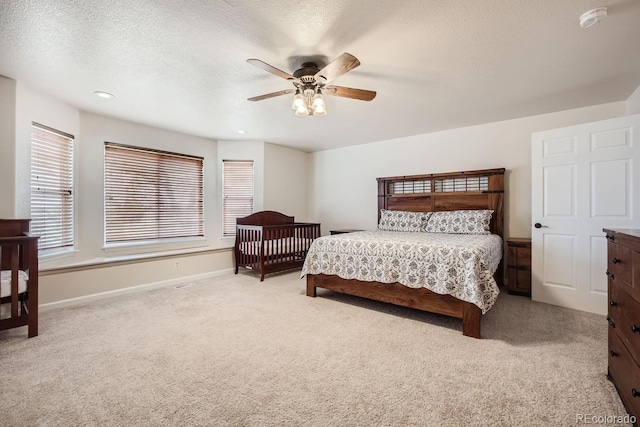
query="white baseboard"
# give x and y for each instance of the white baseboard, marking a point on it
(132, 289)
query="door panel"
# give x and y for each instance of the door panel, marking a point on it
(610, 188)
(558, 146)
(612, 138)
(559, 190)
(582, 181)
(559, 259)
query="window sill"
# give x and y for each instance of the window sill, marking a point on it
(51, 256)
(136, 248)
(127, 259)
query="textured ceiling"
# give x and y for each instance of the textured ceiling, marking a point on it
(436, 64)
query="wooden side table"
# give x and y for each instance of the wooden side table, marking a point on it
(343, 231)
(519, 266)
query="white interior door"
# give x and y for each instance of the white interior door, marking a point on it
(583, 180)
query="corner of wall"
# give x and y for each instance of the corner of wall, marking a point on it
(633, 102)
(7, 147)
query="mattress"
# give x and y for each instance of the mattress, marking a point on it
(460, 265)
(5, 282)
(285, 245)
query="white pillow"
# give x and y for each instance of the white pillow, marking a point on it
(403, 220)
(460, 222)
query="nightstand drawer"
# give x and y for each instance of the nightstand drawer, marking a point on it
(519, 280)
(519, 266)
(519, 257)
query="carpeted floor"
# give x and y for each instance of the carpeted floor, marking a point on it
(232, 351)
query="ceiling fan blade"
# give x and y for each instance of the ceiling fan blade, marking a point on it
(349, 92)
(271, 95)
(342, 64)
(273, 70)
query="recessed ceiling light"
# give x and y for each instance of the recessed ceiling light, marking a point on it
(242, 131)
(592, 17)
(105, 95)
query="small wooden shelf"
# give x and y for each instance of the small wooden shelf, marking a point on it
(519, 266)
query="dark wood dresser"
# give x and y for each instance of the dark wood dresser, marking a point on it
(623, 271)
(519, 266)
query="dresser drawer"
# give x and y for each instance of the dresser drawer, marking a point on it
(624, 315)
(619, 261)
(625, 374)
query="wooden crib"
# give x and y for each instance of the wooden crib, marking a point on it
(19, 276)
(269, 241)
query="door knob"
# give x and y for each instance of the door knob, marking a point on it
(538, 225)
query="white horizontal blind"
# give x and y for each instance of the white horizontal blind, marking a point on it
(237, 193)
(151, 195)
(51, 187)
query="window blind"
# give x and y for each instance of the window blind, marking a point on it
(237, 193)
(51, 187)
(151, 194)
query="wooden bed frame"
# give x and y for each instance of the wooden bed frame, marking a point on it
(480, 189)
(266, 229)
(19, 251)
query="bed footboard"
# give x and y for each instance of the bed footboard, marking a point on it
(395, 293)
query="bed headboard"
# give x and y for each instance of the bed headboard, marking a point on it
(479, 189)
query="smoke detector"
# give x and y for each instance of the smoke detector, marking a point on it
(592, 17)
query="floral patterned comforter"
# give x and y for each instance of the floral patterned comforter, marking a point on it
(460, 265)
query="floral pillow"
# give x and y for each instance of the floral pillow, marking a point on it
(460, 222)
(403, 220)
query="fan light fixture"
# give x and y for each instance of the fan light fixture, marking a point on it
(310, 82)
(309, 101)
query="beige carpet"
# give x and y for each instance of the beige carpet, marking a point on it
(233, 351)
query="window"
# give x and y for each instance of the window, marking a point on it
(51, 188)
(237, 193)
(151, 195)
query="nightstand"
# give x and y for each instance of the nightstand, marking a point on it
(344, 230)
(519, 266)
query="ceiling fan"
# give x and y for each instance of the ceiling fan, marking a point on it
(311, 82)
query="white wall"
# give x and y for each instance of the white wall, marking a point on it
(343, 181)
(633, 102)
(7, 147)
(286, 181)
(92, 269)
(32, 106)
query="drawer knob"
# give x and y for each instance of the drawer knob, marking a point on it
(613, 325)
(634, 392)
(610, 275)
(613, 353)
(615, 260)
(612, 303)
(634, 328)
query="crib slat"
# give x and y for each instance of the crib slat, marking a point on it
(14, 279)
